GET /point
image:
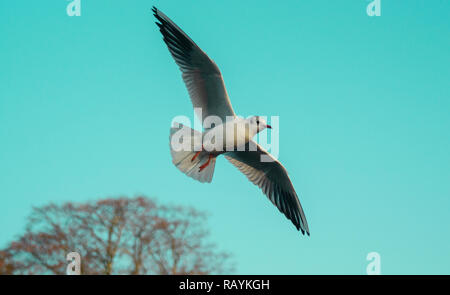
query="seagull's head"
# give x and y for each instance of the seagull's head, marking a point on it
(259, 124)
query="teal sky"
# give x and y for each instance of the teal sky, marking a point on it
(86, 104)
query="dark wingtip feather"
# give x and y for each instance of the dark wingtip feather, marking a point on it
(156, 14)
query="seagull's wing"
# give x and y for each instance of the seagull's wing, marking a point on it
(273, 179)
(200, 74)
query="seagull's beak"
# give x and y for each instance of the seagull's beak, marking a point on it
(268, 126)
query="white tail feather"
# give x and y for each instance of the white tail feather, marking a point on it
(182, 158)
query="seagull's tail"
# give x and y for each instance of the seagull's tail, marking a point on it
(185, 143)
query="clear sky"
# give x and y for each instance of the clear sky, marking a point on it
(86, 104)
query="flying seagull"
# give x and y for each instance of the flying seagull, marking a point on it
(208, 94)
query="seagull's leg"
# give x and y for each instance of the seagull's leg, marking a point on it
(196, 154)
(206, 163)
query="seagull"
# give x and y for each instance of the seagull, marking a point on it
(209, 97)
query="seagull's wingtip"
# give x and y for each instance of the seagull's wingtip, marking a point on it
(155, 11)
(303, 231)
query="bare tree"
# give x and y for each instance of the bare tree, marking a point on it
(115, 236)
(6, 267)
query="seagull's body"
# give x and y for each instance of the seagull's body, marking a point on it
(233, 134)
(208, 94)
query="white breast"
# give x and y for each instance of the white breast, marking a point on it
(228, 136)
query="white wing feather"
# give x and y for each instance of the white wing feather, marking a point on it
(200, 74)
